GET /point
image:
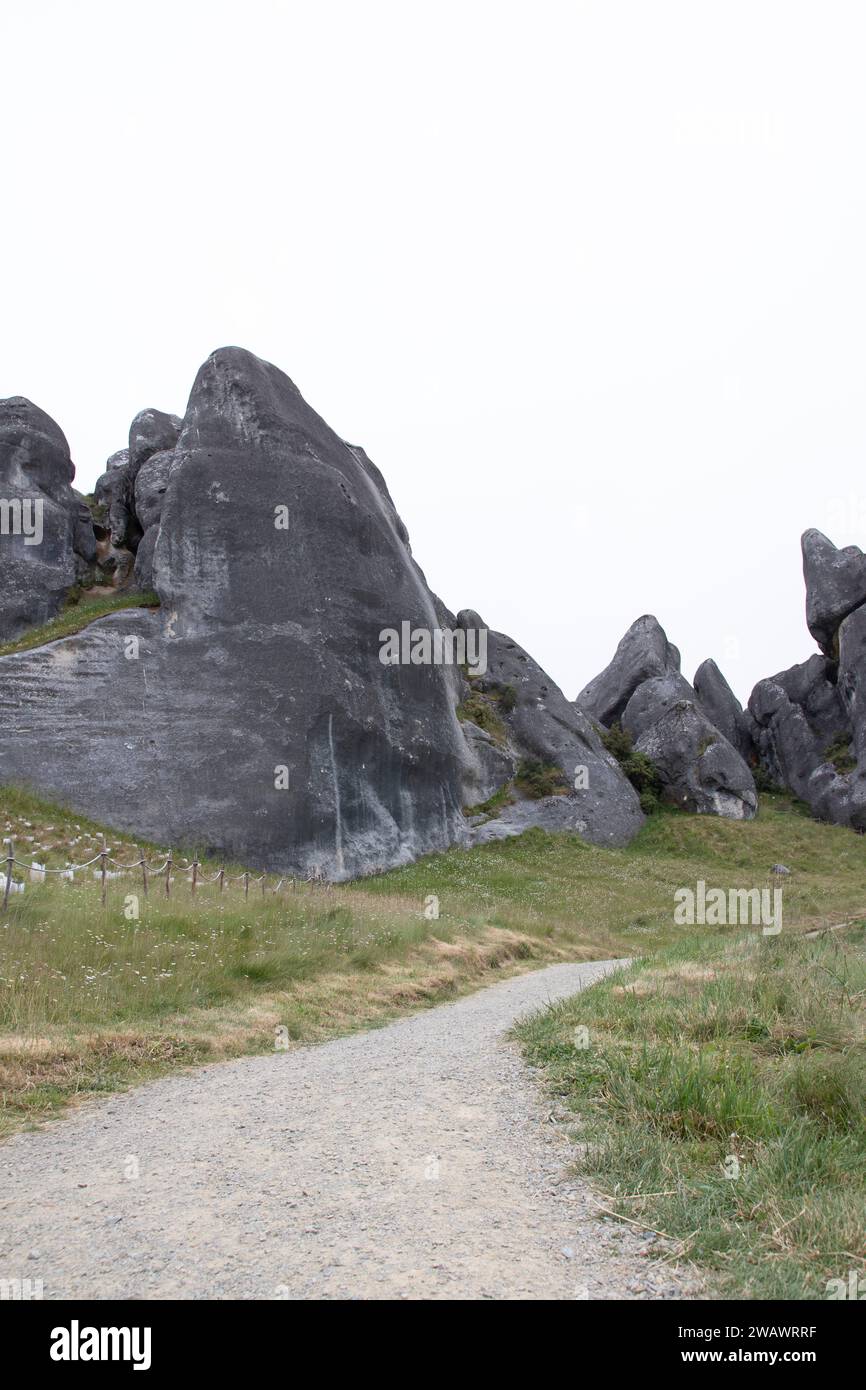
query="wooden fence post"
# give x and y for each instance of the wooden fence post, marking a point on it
(246, 885)
(10, 860)
(222, 876)
(194, 876)
(103, 855)
(168, 864)
(264, 886)
(143, 862)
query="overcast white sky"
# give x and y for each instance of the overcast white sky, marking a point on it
(587, 280)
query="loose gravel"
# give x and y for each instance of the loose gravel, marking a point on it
(420, 1160)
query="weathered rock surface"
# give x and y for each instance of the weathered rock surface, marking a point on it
(835, 586)
(543, 724)
(150, 487)
(852, 679)
(722, 707)
(151, 432)
(809, 722)
(643, 690)
(46, 541)
(643, 652)
(150, 484)
(111, 490)
(143, 567)
(700, 769)
(262, 666)
(253, 715)
(551, 813)
(491, 765)
(801, 716)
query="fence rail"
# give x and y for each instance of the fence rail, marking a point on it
(166, 870)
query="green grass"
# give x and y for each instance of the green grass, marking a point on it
(839, 754)
(537, 779)
(640, 770)
(493, 805)
(76, 616)
(743, 1056)
(94, 997)
(619, 902)
(91, 998)
(483, 710)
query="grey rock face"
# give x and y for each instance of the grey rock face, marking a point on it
(151, 432)
(722, 707)
(809, 722)
(835, 586)
(551, 813)
(544, 725)
(793, 736)
(46, 540)
(150, 487)
(491, 765)
(652, 699)
(852, 679)
(83, 534)
(112, 491)
(643, 653)
(262, 667)
(700, 769)
(143, 567)
(644, 691)
(814, 686)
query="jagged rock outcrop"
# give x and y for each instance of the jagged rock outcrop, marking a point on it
(722, 707)
(539, 723)
(151, 432)
(642, 653)
(46, 539)
(111, 491)
(643, 690)
(700, 769)
(132, 489)
(150, 487)
(835, 586)
(809, 722)
(255, 714)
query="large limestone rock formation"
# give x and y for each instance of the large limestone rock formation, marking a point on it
(643, 690)
(700, 769)
(722, 708)
(542, 725)
(46, 537)
(835, 586)
(253, 714)
(642, 653)
(809, 722)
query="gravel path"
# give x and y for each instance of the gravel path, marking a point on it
(415, 1161)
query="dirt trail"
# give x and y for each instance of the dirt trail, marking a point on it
(415, 1161)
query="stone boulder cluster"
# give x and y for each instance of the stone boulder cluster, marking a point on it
(131, 490)
(804, 730)
(691, 733)
(808, 723)
(56, 543)
(255, 713)
(46, 530)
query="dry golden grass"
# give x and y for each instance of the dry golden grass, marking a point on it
(90, 1001)
(42, 1073)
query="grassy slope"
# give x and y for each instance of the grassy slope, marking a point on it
(721, 1093)
(76, 616)
(90, 1000)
